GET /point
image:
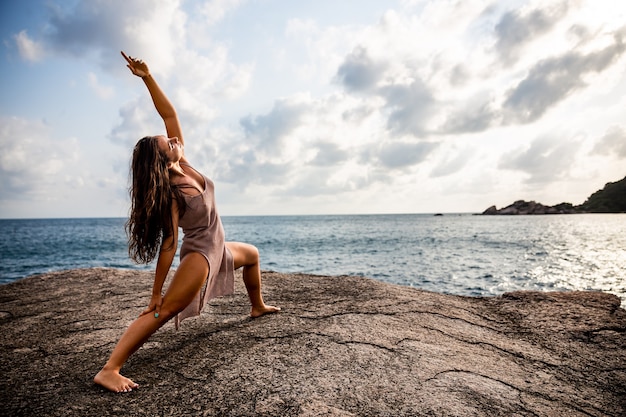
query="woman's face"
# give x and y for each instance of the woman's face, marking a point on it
(170, 147)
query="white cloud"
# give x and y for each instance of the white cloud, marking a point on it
(213, 11)
(156, 32)
(32, 164)
(314, 52)
(211, 76)
(359, 72)
(28, 49)
(519, 28)
(153, 29)
(452, 160)
(269, 132)
(552, 80)
(612, 143)
(428, 101)
(545, 160)
(138, 119)
(407, 100)
(104, 92)
(400, 155)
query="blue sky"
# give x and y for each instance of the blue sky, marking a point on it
(316, 107)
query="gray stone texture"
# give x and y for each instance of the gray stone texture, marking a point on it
(342, 346)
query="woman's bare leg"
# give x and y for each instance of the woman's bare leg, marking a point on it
(187, 281)
(248, 256)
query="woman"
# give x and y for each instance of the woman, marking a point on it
(166, 193)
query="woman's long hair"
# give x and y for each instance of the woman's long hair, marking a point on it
(151, 195)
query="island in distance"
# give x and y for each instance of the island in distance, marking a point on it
(610, 199)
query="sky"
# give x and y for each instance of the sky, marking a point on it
(324, 107)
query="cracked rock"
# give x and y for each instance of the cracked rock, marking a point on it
(342, 346)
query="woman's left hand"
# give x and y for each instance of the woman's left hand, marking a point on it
(136, 66)
(154, 306)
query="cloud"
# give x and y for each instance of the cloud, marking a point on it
(28, 49)
(399, 155)
(518, 28)
(157, 30)
(328, 154)
(98, 30)
(355, 107)
(247, 168)
(268, 131)
(452, 86)
(551, 80)
(612, 143)
(327, 183)
(359, 72)
(410, 107)
(237, 82)
(547, 159)
(312, 53)
(154, 29)
(453, 161)
(402, 102)
(32, 164)
(104, 92)
(475, 115)
(138, 119)
(391, 97)
(215, 10)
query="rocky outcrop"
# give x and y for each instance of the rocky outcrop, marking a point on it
(342, 346)
(610, 199)
(522, 207)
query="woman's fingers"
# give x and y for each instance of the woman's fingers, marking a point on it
(126, 57)
(131, 60)
(147, 311)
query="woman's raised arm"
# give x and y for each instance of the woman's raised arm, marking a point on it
(162, 104)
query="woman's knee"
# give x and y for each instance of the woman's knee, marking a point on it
(253, 254)
(243, 253)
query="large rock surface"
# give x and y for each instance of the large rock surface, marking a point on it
(342, 346)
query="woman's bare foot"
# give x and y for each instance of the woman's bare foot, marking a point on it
(261, 311)
(113, 381)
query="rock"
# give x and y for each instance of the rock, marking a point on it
(342, 346)
(522, 207)
(610, 199)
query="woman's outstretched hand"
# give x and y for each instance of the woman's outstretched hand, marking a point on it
(136, 66)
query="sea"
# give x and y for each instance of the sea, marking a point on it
(461, 254)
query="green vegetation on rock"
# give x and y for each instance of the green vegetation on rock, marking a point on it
(610, 199)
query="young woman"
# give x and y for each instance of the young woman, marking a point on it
(168, 193)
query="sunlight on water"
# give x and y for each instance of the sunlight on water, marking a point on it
(586, 254)
(459, 254)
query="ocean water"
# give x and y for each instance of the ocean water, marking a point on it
(455, 253)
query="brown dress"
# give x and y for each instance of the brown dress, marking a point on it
(203, 233)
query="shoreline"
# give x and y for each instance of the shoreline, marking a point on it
(151, 270)
(466, 255)
(341, 346)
